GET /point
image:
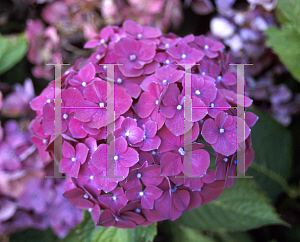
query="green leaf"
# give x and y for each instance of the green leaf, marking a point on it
(12, 50)
(113, 234)
(34, 235)
(272, 144)
(285, 42)
(82, 232)
(288, 12)
(226, 236)
(242, 207)
(182, 233)
(86, 232)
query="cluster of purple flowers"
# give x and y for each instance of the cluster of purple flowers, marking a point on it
(27, 199)
(242, 29)
(149, 98)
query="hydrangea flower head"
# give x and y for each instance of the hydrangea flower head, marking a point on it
(143, 142)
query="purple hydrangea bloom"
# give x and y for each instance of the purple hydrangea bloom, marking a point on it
(144, 139)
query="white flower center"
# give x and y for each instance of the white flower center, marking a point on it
(197, 92)
(102, 41)
(114, 198)
(98, 57)
(206, 47)
(44, 141)
(119, 80)
(132, 57)
(156, 102)
(48, 101)
(153, 152)
(141, 193)
(181, 151)
(167, 45)
(203, 73)
(138, 175)
(105, 67)
(212, 105)
(90, 210)
(92, 177)
(138, 210)
(167, 62)
(165, 82)
(127, 133)
(144, 137)
(179, 107)
(73, 159)
(183, 56)
(221, 131)
(65, 116)
(225, 159)
(219, 78)
(116, 157)
(140, 36)
(83, 84)
(86, 196)
(101, 105)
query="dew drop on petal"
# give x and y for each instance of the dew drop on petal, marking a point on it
(181, 151)
(132, 57)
